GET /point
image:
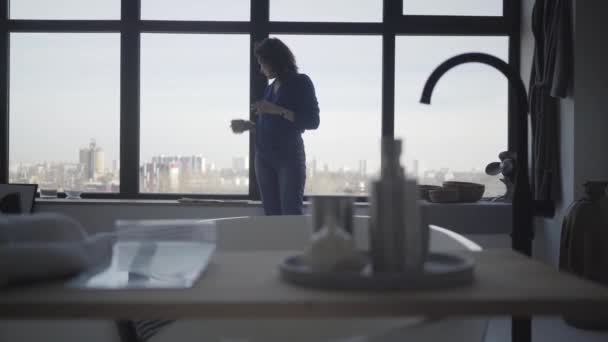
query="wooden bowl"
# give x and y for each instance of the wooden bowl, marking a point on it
(423, 191)
(468, 192)
(444, 195)
(463, 184)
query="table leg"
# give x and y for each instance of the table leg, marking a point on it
(126, 331)
(521, 329)
(521, 241)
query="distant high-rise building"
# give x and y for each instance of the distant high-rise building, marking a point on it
(185, 164)
(239, 164)
(92, 158)
(168, 159)
(204, 165)
(174, 177)
(363, 168)
(415, 168)
(197, 165)
(313, 167)
(115, 166)
(84, 156)
(100, 161)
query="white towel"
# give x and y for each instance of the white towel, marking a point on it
(46, 246)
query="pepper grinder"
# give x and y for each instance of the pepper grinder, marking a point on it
(398, 239)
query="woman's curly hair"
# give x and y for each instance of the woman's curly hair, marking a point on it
(274, 53)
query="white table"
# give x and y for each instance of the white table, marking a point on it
(241, 285)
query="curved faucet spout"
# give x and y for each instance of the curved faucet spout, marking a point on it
(497, 63)
(522, 197)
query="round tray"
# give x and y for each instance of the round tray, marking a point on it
(441, 270)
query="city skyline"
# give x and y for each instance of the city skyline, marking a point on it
(312, 160)
(196, 174)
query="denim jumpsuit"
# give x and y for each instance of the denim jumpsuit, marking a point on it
(280, 159)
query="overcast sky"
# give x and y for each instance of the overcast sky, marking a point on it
(65, 87)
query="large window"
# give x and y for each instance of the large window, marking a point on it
(65, 9)
(191, 87)
(453, 7)
(213, 10)
(135, 97)
(326, 10)
(64, 110)
(464, 128)
(343, 153)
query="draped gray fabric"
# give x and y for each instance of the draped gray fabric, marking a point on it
(140, 330)
(146, 329)
(551, 77)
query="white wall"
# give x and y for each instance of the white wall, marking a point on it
(591, 93)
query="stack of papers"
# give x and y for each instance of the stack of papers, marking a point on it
(154, 254)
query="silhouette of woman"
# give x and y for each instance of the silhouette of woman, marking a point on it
(289, 107)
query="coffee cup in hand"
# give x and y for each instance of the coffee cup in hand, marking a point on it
(239, 126)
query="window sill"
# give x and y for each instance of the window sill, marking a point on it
(148, 202)
(98, 214)
(237, 203)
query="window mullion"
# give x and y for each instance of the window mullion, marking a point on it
(388, 68)
(4, 91)
(260, 13)
(130, 98)
(512, 10)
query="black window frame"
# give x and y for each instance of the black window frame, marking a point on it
(130, 26)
